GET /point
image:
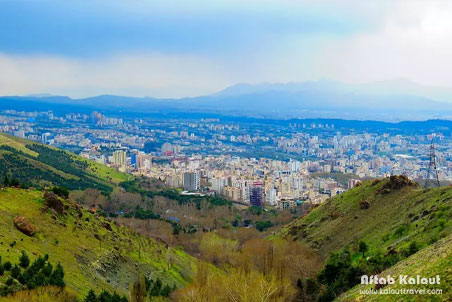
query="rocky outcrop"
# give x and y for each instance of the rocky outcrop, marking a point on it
(52, 201)
(396, 182)
(23, 225)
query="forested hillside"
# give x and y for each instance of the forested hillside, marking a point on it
(32, 164)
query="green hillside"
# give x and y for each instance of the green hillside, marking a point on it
(34, 164)
(390, 224)
(95, 253)
(388, 215)
(429, 262)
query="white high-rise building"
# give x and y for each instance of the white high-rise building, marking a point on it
(270, 196)
(120, 160)
(218, 185)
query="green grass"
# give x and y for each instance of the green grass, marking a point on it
(395, 218)
(105, 172)
(429, 262)
(111, 262)
(16, 143)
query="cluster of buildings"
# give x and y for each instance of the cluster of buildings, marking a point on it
(246, 161)
(251, 181)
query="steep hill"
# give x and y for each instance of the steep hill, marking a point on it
(39, 165)
(429, 262)
(95, 252)
(388, 215)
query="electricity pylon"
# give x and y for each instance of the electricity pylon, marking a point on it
(432, 173)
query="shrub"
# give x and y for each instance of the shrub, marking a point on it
(61, 191)
(339, 275)
(412, 248)
(363, 247)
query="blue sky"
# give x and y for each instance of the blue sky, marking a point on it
(74, 28)
(187, 48)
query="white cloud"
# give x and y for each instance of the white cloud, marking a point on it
(407, 39)
(413, 42)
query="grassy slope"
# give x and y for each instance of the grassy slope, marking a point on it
(104, 172)
(429, 262)
(16, 143)
(110, 263)
(394, 218)
(94, 171)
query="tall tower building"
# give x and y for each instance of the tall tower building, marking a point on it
(191, 181)
(256, 194)
(120, 160)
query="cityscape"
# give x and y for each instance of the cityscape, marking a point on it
(246, 162)
(225, 151)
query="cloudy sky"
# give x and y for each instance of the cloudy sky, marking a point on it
(174, 48)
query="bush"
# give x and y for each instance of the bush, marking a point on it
(339, 275)
(263, 225)
(412, 249)
(61, 191)
(363, 248)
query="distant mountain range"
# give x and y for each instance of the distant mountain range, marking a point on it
(389, 101)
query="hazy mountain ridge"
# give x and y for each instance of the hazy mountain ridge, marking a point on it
(392, 100)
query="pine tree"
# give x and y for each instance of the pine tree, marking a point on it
(155, 291)
(15, 272)
(7, 266)
(115, 298)
(6, 181)
(14, 183)
(24, 260)
(47, 270)
(41, 279)
(91, 297)
(165, 291)
(57, 277)
(104, 296)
